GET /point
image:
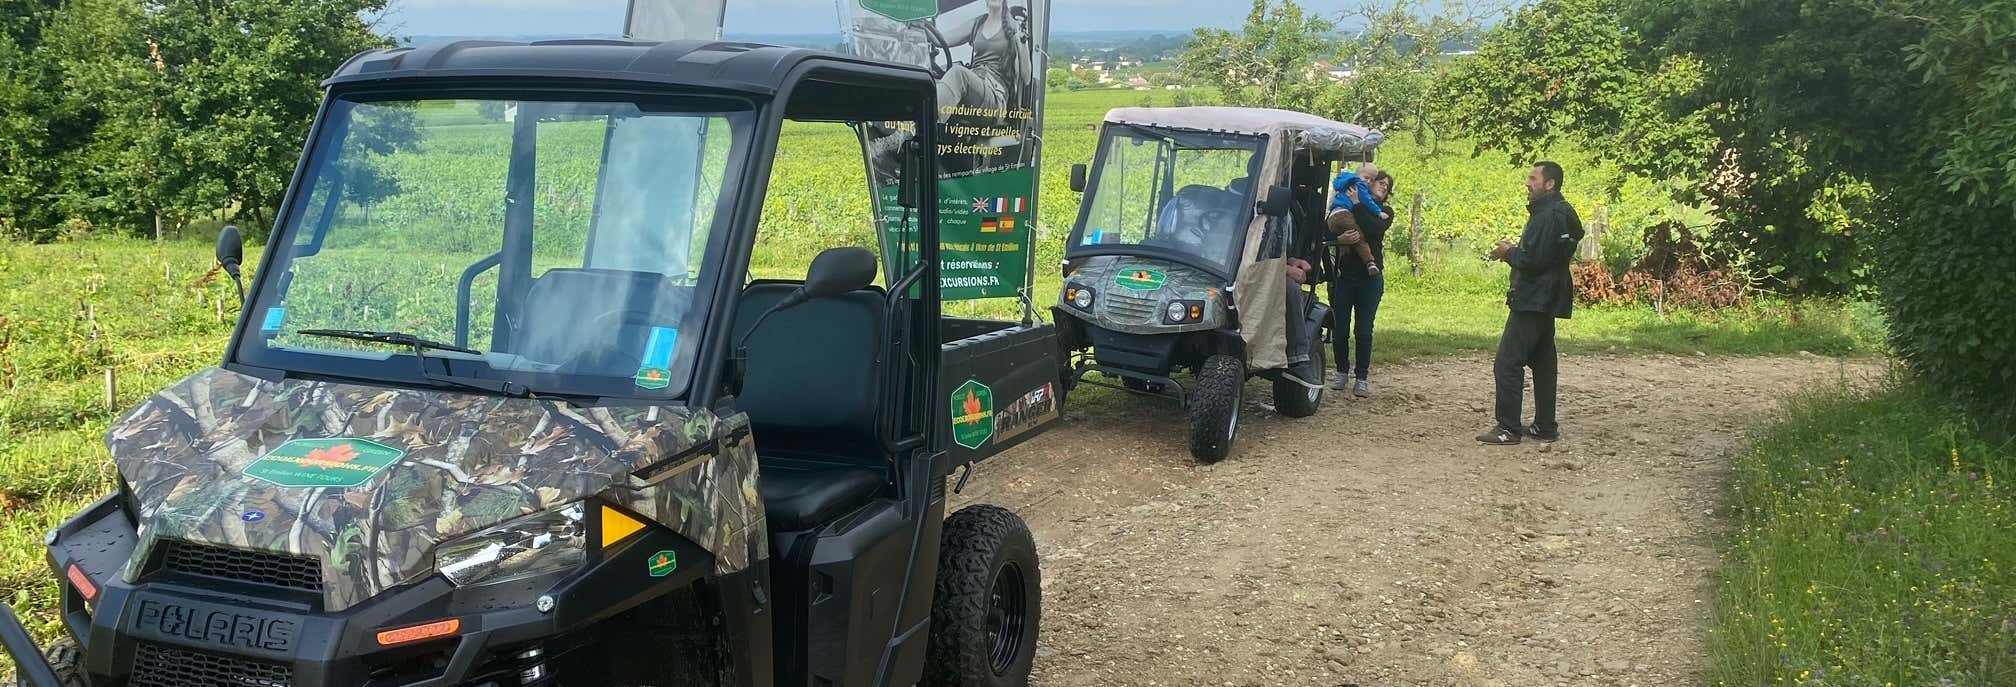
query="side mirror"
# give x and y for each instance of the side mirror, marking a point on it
(231, 255)
(1078, 178)
(836, 271)
(908, 188)
(1275, 201)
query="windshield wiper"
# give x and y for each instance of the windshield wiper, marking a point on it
(420, 347)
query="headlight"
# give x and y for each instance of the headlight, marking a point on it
(539, 543)
(1080, 297)
(1179, 312)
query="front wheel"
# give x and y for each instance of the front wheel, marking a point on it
(1214, 408)
(66, 660)
(987, 603)
(1296, 400)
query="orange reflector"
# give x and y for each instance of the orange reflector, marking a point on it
(1196, 313)
(406, 635)
(617, 526)
(82, 582)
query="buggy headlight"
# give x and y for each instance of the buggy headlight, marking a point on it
(1080, 297)
(1180, 312)
(1177, 311)
(539, 543)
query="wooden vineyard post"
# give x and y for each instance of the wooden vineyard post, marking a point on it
(1592, 243)
(111, 390)
(1414, 234)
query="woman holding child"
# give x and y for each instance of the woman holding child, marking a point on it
(1357, 222)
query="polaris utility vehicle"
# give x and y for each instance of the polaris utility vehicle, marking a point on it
(1179, 258)
(505, 408)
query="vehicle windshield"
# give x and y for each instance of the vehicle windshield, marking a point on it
(1182, 194)
(562, 242)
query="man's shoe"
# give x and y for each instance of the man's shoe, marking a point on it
(1363, 389)
(1499, 436)
(1549, 437)
(1340, 381)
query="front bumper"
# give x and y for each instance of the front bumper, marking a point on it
(175, 630)
(32, 670)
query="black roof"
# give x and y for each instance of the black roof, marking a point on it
(747, 67)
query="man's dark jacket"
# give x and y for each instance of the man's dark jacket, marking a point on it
(1540, 279)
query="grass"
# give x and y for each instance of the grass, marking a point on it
(68, 311)
(1874, 544)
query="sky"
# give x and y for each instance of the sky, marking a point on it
(509, 17)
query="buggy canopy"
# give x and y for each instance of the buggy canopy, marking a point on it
(1261, 286)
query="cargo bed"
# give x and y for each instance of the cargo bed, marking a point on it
(1003, 381)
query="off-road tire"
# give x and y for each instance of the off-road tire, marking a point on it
(66, 660)
(1295, 400)
(988, 556)
(1214, 407)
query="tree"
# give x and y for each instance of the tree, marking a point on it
(1834, 137)
(1397, 58)
(1057, 77)
(199, 104)
(38, 128)
(1269, 63)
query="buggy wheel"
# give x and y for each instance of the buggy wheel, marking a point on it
(1295, 400)
(987, 603)
(1214, 408)
(66, 661)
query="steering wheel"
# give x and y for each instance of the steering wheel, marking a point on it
(1021, 15)
(595, 358)
(940, 48)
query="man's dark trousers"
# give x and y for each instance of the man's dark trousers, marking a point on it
(1528, 341)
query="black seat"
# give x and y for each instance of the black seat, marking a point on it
(799, 495)
(813, 395)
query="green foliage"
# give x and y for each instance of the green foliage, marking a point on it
(38, 128)
(121, 112)
(1574, 70)
(1265, 64)
(1870, 547)
(1899, 113)
(1397, 60)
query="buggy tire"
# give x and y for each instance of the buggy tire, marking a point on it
(1295, 400)
(987, 603)
(66, 661)
(1214, 407)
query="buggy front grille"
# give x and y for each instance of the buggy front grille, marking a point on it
(236, 565)
(160, 666)
(1133, 308)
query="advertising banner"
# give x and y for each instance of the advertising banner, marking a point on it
(988, 58)
(675, 20)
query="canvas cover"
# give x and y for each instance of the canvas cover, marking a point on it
(1263, 266)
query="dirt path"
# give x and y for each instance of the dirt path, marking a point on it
(1378, 544)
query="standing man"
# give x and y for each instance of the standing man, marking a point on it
(1542, 291)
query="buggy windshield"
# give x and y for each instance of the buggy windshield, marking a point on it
(560, 243)
(1166, 193)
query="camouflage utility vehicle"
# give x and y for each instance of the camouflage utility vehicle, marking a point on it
(506, 409)
(1179, 258)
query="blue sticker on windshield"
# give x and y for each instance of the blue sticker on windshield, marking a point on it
(1096, 237)
(655, 371)
(273, 318)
